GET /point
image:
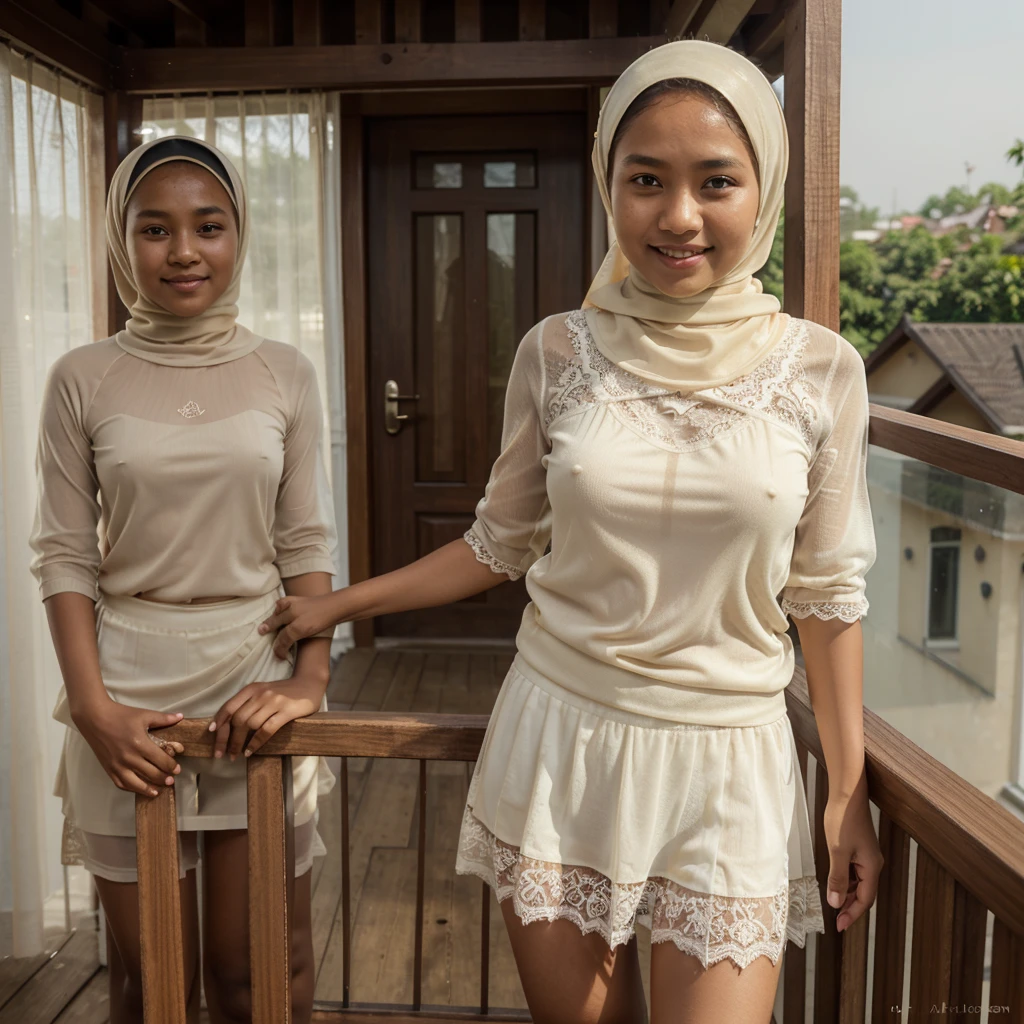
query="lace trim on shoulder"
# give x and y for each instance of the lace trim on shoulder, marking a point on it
(848, 611)
(777, 388)
(706, 926)
(483, 555)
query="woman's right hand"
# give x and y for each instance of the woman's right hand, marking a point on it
(134, 758)
(299, 617)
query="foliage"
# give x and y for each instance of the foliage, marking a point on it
(853, 214)
(1015, 154)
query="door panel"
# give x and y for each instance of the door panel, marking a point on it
(475, 233)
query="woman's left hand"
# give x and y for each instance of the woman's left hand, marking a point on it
(855, 858)
(262, 708)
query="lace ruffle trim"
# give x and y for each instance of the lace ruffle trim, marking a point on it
(707, 926)
(848, 611)
(483, 555)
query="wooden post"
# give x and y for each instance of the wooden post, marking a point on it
(269, 939)
(160, 940)
(467, 21)
(813, 56)
(122, 118)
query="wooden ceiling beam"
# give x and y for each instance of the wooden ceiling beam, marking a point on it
(307, 22)
(559, 61)
(61, 39)
(659, 15)
(718, 20)
(408, 21)
(768, 36)
(604, 19)
(188, 29)
(369, 22)
(467, 21)
(532, 27)
(193, 7)
(680, 16)
(259, 23)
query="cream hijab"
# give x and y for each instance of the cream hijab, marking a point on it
(152, 332)
(722, 333)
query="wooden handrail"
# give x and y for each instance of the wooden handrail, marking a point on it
(972, 453)
(976, 839)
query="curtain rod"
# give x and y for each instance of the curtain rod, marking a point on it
(29, 54)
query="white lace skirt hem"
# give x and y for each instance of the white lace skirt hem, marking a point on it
(605, 818)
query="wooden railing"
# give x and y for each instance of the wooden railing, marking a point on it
(970, 850)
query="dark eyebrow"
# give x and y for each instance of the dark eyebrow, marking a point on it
(712, 164)
(645, 161)
(203, 211)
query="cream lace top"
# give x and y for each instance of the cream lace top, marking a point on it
(180, 482)
(665, 536)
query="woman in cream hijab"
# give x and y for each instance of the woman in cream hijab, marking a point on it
(682, 465)
(191, 446)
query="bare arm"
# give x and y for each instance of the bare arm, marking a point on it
(448, 574)
(834, 658)
(118, 734)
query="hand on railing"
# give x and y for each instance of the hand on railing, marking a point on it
(855, 859)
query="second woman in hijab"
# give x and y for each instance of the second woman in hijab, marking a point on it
(682, 465)
(193, 445)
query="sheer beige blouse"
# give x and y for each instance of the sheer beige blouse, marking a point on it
(664, 536)
(180, 482)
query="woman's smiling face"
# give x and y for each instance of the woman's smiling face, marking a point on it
(182, 238)
(684, 194)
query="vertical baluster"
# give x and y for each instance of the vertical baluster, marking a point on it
(421, 857)
(485, 949)
(828, 962)
(269, 948)
(931, 951)
(163, 962)
(1007, 988)
(346, 890)
(794, 965)
(890, 921)
(969, 920)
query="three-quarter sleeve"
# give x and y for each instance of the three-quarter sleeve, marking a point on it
(305, 535)
(835, 540)
(513, 519)
(64, 536)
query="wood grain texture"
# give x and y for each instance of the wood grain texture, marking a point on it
(467, 21)
(974, 838)
(1007, 986)
(890, 912)
(407, 21)
(931, 950)
(553, 61)
(269, 930)
(813, 57)
(42, 995)
(308, 22)
(368, 22)
(829, 953)
(972, 453)
(163, 965)
(968, 956)
(680, 15)
(719, 20)
(853, 972)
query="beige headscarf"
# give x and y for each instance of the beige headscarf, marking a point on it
(712, 338)
(152, 332)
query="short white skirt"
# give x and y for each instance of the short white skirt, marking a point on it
(603, 817)
(188, 658)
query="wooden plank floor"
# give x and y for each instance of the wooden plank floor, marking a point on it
(70, 987)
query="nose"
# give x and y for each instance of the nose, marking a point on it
(182, 250)
(681, 214)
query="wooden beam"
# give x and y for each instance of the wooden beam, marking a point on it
(659, 15)
(194, 7)
(531, 20)
(307, 22)
(259, 22)
(813, 58)
(188, 29)
(43, 28)
(407, 21)
(369, 22)
(467, 21)
(769, 35)
(562, 61)
(680, 16)
(604, 19)
(718, 20)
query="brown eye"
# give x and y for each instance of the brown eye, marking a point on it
(719, 184)
(646, 180)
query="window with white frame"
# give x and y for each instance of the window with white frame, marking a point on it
(943, 584)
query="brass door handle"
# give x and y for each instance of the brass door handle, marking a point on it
(393, 419)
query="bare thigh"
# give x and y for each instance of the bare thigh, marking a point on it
(120, 901)
(572, 978)
(226, 931)
(684, 992)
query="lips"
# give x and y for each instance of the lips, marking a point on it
(185, 282)
(683, 257)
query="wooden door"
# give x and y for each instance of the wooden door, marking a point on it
(475, 233)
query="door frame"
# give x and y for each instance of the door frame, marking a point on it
(356, 111)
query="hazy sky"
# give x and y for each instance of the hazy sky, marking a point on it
(928, 85)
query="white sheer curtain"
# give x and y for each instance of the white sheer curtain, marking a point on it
(52, 297)
(285, 146)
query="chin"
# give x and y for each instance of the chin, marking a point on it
(678, 287)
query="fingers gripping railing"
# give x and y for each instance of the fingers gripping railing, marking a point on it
(271, 857)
